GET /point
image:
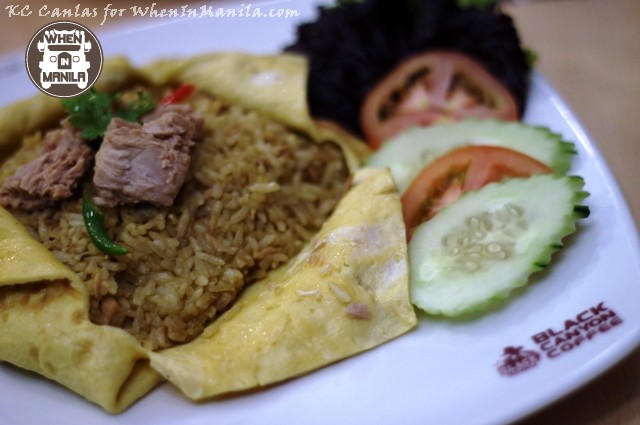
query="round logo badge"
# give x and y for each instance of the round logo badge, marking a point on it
(64, 59)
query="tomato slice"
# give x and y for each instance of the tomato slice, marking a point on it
(468, 168)
(431, 87)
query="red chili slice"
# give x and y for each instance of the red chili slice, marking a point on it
(177, 95)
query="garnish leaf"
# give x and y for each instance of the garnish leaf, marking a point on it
(478, 4)
(89, 112)
(136, 109)
(92, 111)
(531, 57)
(342, 3)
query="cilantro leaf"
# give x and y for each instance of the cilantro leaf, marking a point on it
(92, 111)
(134, 110)
(89, 112)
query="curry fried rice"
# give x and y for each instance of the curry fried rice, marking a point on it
(255, 193)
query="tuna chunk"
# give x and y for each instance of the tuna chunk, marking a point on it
(52, 176)
(146, 162)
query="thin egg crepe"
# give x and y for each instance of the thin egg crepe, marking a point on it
(345, 292)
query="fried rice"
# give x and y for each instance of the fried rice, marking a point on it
(255, 193)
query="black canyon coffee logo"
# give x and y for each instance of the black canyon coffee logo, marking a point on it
(556, 341)
(516, 360)
(64, 59)
(576, 331)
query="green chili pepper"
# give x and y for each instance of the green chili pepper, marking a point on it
(94, 222)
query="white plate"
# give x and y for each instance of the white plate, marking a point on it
(441, 372)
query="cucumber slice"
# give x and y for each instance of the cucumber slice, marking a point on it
(408, 153)
(488, 242)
